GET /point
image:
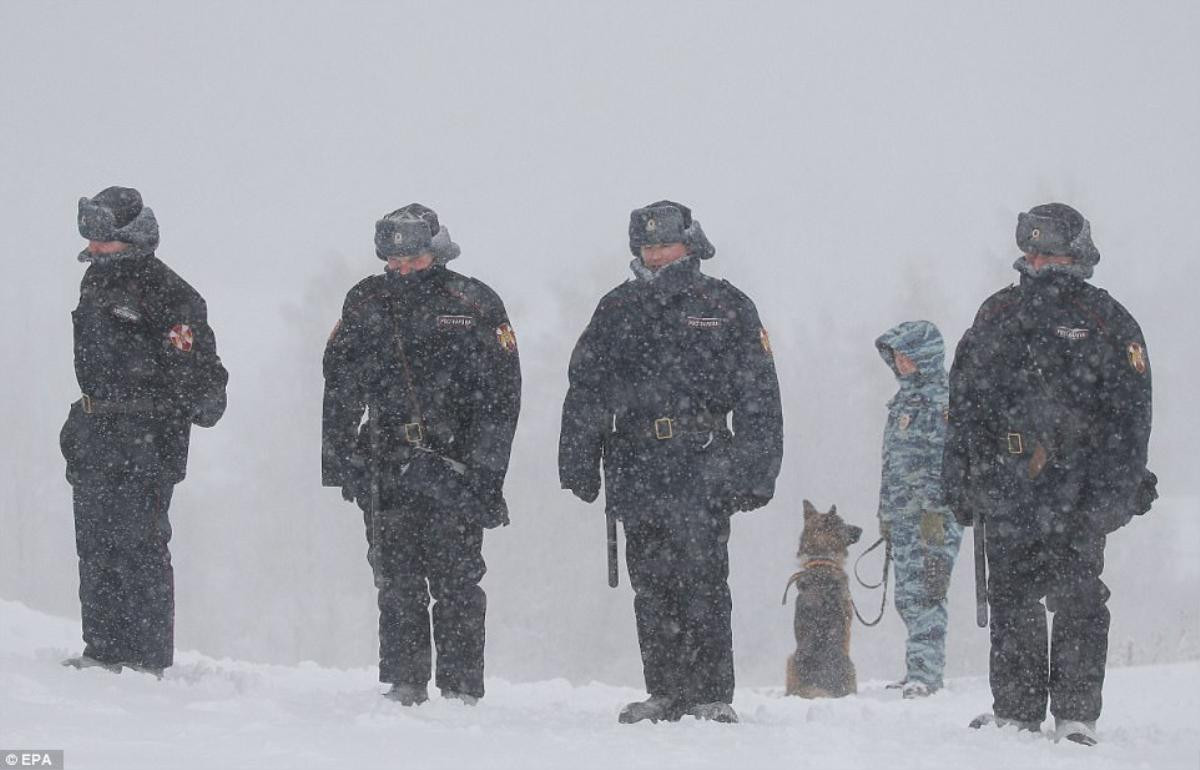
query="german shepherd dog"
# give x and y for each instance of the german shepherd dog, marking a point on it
(821, 666)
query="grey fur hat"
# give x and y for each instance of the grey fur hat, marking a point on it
(117, 214)
(411, 230)
(1056, 229)
(667, 222)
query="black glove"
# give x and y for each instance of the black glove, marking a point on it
(730, 496)
(1146, 495)
(750, 501)
(486, 484)
(963, 517)
(587, 491)
(356, 480)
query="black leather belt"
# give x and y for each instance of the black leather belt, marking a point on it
(666, 428)
(142, 406)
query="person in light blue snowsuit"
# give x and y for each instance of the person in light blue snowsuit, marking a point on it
(913, 517)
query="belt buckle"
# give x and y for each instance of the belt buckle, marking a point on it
(1015, 445)
(664, 428)
(86, 401)
(413, 433)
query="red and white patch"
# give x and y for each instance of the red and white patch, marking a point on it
(1137, 357)
(506, 337)
(181, 338)
(765, 339)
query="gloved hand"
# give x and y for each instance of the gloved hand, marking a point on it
(733, 496)
(486, 484)
(750, 501)
(356, 480)
(1147, 493)
(586, 490)
(963, 517)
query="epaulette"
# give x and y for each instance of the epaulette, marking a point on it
(473, 293)
(997, 304)
(366, 289)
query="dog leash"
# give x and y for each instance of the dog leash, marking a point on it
(797, 575)
(887, 563)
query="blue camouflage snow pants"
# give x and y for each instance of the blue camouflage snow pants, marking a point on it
(924, 546)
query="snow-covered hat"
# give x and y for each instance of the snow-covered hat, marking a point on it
(1056, 229)
(667, 222)
(411, 230)
(117, 214)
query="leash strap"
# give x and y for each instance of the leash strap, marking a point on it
(861, 582)
(887, 565)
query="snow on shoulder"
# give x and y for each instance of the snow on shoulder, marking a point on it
(223, 713)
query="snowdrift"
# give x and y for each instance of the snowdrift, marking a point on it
(210, 713)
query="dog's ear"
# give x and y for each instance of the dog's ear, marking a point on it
(833, 511)
(809, 510)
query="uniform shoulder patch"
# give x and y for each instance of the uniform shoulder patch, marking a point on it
(181, 337)
(1137, 357)
(765, 340)
(904, 421)
(506, 337)
(337, 327)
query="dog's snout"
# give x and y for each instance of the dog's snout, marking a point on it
(854, 532)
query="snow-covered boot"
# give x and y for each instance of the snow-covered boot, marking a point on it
(654, 708)
(407, 694)
(461, 697)
(1083, 733)
(87, 661)
(984, 720)
(714, 712)
(153, 671)
(915, 689)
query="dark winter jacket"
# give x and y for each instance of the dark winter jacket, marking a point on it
(1050, 389)
(652, 379)
(433, 356)
(147, 365)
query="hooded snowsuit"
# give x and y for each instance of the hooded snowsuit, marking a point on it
(912, 510)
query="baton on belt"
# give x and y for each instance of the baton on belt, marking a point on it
(613, 569)
(981, 595)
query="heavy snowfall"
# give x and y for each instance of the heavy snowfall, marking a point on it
(856, 166)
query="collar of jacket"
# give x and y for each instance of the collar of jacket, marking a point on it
(1077, 271)
(418, 281)
(669, 279)
(1049, 284)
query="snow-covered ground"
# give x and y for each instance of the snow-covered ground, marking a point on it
(229, 714)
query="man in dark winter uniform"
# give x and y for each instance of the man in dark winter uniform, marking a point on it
(431, 358)
(665, 359)
(147, 365)
(1046, 444)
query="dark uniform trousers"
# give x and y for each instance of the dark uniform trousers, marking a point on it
(678, 563)
(426, 553)
(1062, 565)
(126, 583)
